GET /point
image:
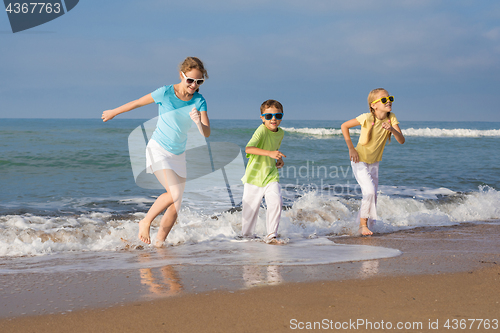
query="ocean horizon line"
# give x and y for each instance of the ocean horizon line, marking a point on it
(252, 119)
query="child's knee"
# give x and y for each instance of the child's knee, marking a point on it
(274, 203)
(370, 195)
(369, 191)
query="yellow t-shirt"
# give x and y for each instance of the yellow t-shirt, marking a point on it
(373, 150)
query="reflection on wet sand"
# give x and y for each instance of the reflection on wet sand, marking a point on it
(261, 275)
(161, 282)
(368, 268)
(258, 275)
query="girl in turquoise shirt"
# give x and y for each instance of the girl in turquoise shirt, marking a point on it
(178, 105)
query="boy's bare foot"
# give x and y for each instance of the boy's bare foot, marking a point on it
(275, 241)
(144, 231)
(363, 230)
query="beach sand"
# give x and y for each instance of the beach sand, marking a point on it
(446, 275)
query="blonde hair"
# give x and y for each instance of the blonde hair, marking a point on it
(372, 97)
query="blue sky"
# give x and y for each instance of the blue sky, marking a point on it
(441, 59)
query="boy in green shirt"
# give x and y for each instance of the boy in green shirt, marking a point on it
(261, 177)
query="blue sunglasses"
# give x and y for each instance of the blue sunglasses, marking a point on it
(269, 116)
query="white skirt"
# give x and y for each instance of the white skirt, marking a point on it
(158, 158)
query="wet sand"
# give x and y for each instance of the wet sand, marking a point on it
(445, 275)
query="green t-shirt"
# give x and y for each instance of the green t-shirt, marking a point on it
(261, 170)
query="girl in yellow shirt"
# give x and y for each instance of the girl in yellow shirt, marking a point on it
(376, 128)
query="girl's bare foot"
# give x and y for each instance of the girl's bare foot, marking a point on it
(144, 231)
(363, 230)
(159, 244)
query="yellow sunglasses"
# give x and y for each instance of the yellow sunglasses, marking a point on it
(385, 99)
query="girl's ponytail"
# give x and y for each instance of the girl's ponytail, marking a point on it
(389, 117)
(368, 136)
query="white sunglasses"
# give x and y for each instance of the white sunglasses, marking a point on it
(191, 80)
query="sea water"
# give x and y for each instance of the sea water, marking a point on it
(75, 189)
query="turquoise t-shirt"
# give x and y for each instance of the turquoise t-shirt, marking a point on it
(261, 170)
(174, 120)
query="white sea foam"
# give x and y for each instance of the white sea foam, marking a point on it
(456, 132)
(318, 131)
(415, 193)
(321, 215)
(418, 132)
(311, 216)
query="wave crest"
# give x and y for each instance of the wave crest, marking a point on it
(456, 132)
(418, 132)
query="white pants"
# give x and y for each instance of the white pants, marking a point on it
(367, 178)
(252, 197)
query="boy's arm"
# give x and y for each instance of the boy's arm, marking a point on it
(276, 154)
(280, 163)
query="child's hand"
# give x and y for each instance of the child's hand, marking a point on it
(280, 163)
(387, 126)
(195, 116)
(107, 115)
(276, 154)
(353, 155)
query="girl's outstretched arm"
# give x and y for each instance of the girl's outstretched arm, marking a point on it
(110, 114)
(353, 154)
(396, 131)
